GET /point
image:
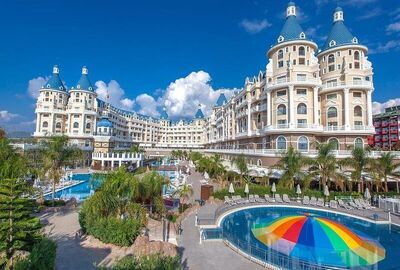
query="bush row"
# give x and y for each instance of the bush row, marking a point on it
(152, 262)
(42, 257)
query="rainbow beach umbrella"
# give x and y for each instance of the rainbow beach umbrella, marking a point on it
(319, 240)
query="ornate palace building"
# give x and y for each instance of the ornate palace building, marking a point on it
(306, 94)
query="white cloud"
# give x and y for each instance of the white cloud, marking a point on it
(181, 98)
(147, 105)
(375, 12)
(345, 2)
(34, 86)
(6, 116)
(393, 27)
(391, 45)
(115, 94)
(378, 107)
(254, 26)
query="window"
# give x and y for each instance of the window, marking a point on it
(76, 125)
(281, 143)
(302, 61)
(294, 48)
(356, 55)
(259, 118)
(301, 108)
(302, 51)
(282, 123)
(331, 96)
(334, 142)
(302, 92)
(357, 81)
(281, 93)
(45, 124)
(88, 125)
(358, 125)
(357, 94)
(58, 125)
(332, 112)
(301, 77)
(358, 143)
(302, 123)
(357, 65)
(280, 58)
(281, 109)
(350, 65)
(259, 162)
(358, 111)
(349, 52)
(331, 59)
(338, 54)
(302, 143)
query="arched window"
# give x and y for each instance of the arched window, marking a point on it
(281, 109)
(88, 125)
(358, 143)
(302, 143)
(259, 162)
(302, 108)
(280, 58)
(259, 118)
(280, 54)
(334, 142)
(332, 112)
(76, 125)
(302, 51)
(358, 111)
(58, 125)
(356, 55)
(281, 143)
(331, 59)
(45, 124)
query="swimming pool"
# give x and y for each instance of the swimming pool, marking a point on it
(295, 238)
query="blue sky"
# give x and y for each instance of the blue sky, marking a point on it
(176, 53)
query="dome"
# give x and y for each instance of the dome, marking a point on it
(199, 114)
(338, 9)
(104, 122)
(291, 4)
(55, 82)
(84, 82)
(221, 100)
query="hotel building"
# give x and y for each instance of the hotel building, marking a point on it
(305, 95)
(387, 129)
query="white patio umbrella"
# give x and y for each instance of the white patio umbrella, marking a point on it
(367, 195)
(231, 189)
(246, 189)
(298, 189)
(326, 191)
(206, 176)
(273, 189)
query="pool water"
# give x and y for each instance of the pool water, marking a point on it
(240, 229)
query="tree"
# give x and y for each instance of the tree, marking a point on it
(12, 164)
(56, 154)
(18, 229)
(388, 167)
(136, 149)
(358, 163)
(2, 133)
(241, 164)
(325, 163)
(292, 163)
(184, 193)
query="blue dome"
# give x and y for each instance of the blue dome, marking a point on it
(84, 82)
(338, 9)
(221, 100)
(164, 115)
(339, 36)
(291, 30)
(291, 4)
(199, 114)
(104, 122)
(55, 82)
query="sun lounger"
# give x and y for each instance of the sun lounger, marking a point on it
(227, 200)
(344, 205)
(333, 204)
(313, 201)
(278, 198)
(251, 198)
(268, 198)
(285, 198)
(365, 204)
(354, 205)
(306, 200)
(258, 199)
(320, 202)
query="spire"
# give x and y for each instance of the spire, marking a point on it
(339, 34)
(221, 100)
(55, 83)
(199, 114)
(84, 82)
(291, 30)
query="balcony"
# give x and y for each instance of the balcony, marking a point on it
(394, 130)
(377, 124)
(300, 80)
(377, 138)
(385, 131)
(385, 123)
(393, 123)
(259, 108)
(378, 131)
(394, 139)
(331, 85)
(385, 138)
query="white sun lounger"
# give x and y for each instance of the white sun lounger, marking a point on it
(354, 205)
(344, 205)
(333, 204)
(268, 198)
(306, 200)
(278, 198)
(258, 199)
(251, 198)
(313, 201)
(320, 202)
(285, 198)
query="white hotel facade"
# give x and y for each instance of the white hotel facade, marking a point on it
(306, 95)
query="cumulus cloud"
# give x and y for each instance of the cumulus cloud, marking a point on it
(393, 27)
(378, 107)
(345, 2)
(181, 98)
(254, 26)
(391, 45)
(113, 93)
(375, 12)
(34, 86)
(147, 105)
(6, 116)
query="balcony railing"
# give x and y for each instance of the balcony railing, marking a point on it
(294, 80)
(342, 84)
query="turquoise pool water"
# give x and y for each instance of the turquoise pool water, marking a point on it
(239, 229)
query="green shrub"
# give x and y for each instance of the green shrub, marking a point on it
(57, 203)
(42, 257)
(152, 262)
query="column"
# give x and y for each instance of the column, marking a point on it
(38, 122)
(292, 123)
(369, 107)
(315, 104)
(346, 108)
(248, 118)
(269, 111)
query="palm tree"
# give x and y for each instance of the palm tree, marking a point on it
(136, 149)
(56, 155)
(185, 192)
(241, 165)
(325, 164)
(358, 161)
(292, 163)
(387, 167)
